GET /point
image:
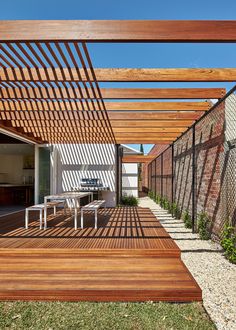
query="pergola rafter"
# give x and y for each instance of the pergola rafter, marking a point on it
(48, 74)
(49, 90)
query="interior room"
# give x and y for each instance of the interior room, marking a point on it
(16, 174)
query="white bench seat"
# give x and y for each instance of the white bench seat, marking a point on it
(40, 208)
(92, 206)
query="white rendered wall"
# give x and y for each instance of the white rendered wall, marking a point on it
(130, 179)
(72, 162)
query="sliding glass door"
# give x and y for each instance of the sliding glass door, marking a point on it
(43, 173)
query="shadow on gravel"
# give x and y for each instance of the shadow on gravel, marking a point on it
(201, 251)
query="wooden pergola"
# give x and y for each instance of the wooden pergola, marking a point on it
(50, 93)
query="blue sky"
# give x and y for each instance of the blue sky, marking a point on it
(139, 55)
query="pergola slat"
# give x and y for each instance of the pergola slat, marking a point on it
(49, 89)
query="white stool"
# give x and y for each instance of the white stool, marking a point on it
(40, 208)
(92, 206)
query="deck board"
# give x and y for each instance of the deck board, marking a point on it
(130, 229)
(130, 257)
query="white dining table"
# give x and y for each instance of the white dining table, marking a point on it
(71, 196)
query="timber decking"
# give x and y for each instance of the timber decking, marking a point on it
(96, 279)
(130, 257)
(126, 230)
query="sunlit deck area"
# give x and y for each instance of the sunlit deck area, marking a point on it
(130, 257)
(121, 228)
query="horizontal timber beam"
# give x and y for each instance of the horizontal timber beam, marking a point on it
(109, 106)
(112, 93)
(73, 125)
(121, 74)
(98, 115)
(30, 119)
(143, 141)
(154, 123)
(147, 135)
(119, 30)
(137, 158)
(73, 129)
(161, 106)
(153, 116)
(20, 133)
(147, 130)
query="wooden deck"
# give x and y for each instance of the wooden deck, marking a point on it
(130, 257)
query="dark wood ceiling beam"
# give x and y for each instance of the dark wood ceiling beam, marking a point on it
(119, 30)
(121, 74)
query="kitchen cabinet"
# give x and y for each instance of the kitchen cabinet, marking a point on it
(16, 194)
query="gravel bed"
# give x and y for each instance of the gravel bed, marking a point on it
(205, 260)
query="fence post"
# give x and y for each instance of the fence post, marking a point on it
(162, 175)
(149, 175)
(173, 172)
(193, 179)
(155, 176)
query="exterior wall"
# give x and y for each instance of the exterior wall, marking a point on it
(130, 179)
(228, 161)
(72, 162)
(167, 174)
(209, 149)
(183, 172)
(210, 169)
(156, 150)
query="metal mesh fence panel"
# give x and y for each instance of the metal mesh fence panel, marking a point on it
(228, 163)
(211, 187)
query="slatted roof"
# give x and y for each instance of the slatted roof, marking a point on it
(50, 92)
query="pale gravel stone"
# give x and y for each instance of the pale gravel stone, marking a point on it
(215, 275)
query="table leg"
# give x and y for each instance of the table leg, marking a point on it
(26, 218)
(82, 219)
(96, 219)
(64, 207)
(76, 213)
(40, 218)
(45, 212)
